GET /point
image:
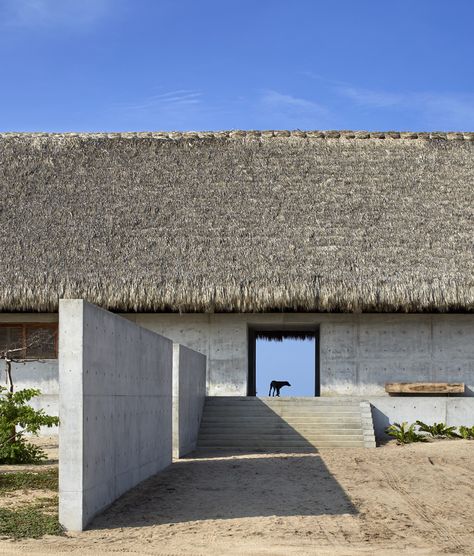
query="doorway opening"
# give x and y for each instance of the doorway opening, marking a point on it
(290, 355)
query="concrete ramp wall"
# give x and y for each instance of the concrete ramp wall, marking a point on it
(189, 393)
(115, 408)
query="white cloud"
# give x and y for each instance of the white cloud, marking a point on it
(164, 101)
(289, 103)
(367, 97)
(432, 109)
(437, 109)
(452, 111)
(41, 13)
(292, 111)
(176, 109)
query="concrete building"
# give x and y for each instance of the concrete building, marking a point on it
(364, 240)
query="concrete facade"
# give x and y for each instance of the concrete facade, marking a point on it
(189, 394)
(429, 409)
(359, 353)
(115, 408)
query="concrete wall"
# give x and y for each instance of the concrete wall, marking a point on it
(432, 409)
(358, 352)
(38, 374)
(221, 338)
(189, 393)
(115, 408)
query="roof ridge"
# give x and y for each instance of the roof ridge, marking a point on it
(255, 134)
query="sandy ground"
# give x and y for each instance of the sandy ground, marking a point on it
(25, 497)
(417, 499)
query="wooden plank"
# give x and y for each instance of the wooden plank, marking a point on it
(424, 387)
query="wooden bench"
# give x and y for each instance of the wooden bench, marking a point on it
(424, 387)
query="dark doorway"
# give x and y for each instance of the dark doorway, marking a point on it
(280, 346)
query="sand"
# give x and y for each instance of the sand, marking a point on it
(416, 499)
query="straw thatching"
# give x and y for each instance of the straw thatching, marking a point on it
(280, 336)
(238, 221)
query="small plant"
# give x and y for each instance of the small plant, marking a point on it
(30, 521)
(438, 430)
(404, 433)
(28, 480)
(466, 432)
(15, 412)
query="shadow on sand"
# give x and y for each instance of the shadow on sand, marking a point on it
(229, 487)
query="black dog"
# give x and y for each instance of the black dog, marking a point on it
(276, 386)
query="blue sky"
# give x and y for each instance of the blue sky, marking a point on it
(119, 65)
(290, 360)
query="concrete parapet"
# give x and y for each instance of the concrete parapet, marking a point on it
(189, 393)
(454, 411)
(115, 408)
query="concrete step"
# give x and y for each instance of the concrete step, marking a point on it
(217, 400)
(278, 432)
(278, 402)
(336, 418)
(309, 406)
(223, 438)
(281, 410)
(291, 420)
(281, 407)
(279, 427)
(282, 423)
(283, 446)
(282, 403)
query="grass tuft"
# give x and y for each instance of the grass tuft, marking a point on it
(28, 522)
(45, 480)
(37, 518)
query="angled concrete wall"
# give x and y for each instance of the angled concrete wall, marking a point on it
(189, 393)
(115, 408)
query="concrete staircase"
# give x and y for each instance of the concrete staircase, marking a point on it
(284, 424)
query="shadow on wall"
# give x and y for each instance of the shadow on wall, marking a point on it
(230, 487)
(381, 422)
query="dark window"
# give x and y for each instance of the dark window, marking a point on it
(33, 341)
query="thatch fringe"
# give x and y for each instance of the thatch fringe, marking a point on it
(279, 336)
(252, 134)
(238, 221)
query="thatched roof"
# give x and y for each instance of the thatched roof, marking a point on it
(238, 221)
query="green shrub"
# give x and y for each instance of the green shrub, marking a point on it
(15, 412)
(438, 430)
(466, 432)
(404, 433)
